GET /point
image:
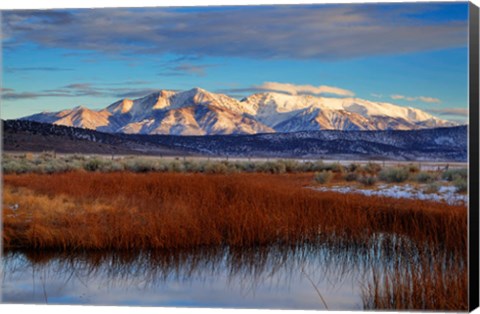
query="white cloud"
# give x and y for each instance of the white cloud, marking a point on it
(429, 99)
(416, 98)
(462, 112)
(326, 32)
(303, 89)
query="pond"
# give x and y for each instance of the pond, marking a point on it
(307, 277)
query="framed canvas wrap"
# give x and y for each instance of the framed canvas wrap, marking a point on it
(304, 156)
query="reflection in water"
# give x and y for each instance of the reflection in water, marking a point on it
(256, 277)
(261, 277)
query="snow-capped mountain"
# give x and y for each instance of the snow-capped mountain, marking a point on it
(199, 112)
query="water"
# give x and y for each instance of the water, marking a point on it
(273, 277)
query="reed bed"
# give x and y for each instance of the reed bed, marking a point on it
(96, 211)
(431, 282)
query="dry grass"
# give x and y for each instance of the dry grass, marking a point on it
(82, 210)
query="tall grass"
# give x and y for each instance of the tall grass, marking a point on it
(80, 210)
(433, 281)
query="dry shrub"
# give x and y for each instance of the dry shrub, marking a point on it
(425, 177)
(351, 176)
(367, 180)
(323, 177)
(452, 174)
(431, 188)
(372, 168)
(397, 175)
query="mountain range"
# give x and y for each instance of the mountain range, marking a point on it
(199, 112)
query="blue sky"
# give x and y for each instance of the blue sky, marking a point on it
(410, 54)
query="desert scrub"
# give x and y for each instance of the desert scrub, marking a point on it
(41, 164)
(394, 175)
(191, 166)
(103, 165)
(353, 167)
(334, 167)
(53, 166)
(425, 177)
(267, 167)
(315, 166)
(216, 167)
(372, 168)
(461, 185)
(431, 188)
(323, 177)
(16, 166)
(247, 166)
(144, 165)
(367, 180)
(351, 176)
(291, 165)
(174, 166)
(412, 168)
(94, 164)
(452, 174)
(49, 163)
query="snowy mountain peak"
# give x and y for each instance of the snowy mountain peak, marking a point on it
(122, 106)
(79, 108)
(199, 90)
(200, 112)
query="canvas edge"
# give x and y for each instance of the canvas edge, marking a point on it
(473, 156)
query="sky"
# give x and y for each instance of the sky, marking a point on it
(409, 54)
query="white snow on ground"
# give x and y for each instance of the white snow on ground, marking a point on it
(444, 194)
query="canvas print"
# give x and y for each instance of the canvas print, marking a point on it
(267, 156)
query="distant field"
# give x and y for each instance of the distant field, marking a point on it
(109, 158)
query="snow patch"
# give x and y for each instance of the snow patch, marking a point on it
(444, 194)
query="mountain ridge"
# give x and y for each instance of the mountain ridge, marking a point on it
(438, 144)
(199, 112)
